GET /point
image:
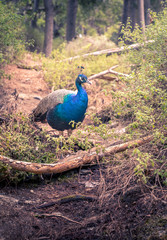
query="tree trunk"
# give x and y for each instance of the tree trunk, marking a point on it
(141, 14)
(71, 19)
(35, 9)
(124, 18)
(49, 13)
(134, 9)
(147, 6)
(133, 13)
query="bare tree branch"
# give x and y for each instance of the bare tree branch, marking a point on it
(102, 73)
(110, 70)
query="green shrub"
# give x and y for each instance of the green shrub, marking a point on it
(144, 96)
(19, 140)
(143, 100)
(36, 37)
(11, 33)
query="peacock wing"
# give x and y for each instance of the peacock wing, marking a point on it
(50, 101)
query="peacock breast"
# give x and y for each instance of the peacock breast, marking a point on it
(72, 109)
(75, 108)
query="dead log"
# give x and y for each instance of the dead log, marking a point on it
(108, 52)
(110, 70)
(73, 161)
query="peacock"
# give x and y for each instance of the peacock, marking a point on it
(64, 109)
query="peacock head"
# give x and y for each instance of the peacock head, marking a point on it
(82, 79)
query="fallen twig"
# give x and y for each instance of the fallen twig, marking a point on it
(73, 161)
(68, 199)
(95, 219)
(57, 214)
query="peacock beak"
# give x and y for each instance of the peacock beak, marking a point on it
(87, 81)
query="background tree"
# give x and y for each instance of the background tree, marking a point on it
(141, 15)
(35, 9)
(49, 14)
(124, 17)
(71, 19)
(137, 11)
(147, 6)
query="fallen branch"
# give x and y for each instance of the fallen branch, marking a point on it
(117, 73)
(107, 78)
(110, 70)
(68, 199)
(132, 46)
(98, 75)
(73, 161)
(57, 214)
(109, 51)
(102, 73)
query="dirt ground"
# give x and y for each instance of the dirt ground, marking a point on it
(94, 202)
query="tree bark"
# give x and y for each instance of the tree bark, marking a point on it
(35, 9)
(49, 13)
(124, 18)
(141, 15)
(134, 9)
(133, 13)
(147, 6)
(71, 19)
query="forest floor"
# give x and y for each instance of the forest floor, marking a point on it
(98, 201)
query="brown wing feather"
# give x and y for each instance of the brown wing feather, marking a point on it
(50, 101)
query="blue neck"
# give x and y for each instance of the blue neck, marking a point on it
(79, 86)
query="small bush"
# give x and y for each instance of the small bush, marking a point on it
(144, 96)
(36, 37)
(142, 101)
(19, 140)
(11, 33)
